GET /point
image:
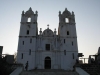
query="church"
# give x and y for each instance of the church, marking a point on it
(47, 49)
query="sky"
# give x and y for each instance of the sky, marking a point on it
(87, 17)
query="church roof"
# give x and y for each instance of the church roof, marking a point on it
(48, 32)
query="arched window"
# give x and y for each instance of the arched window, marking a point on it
(29, 51)
(73, 55)
(72, 43)
(64, 52)
(64, 40)
(22, 56)
(23, 42)
(67, 32)
(27, 32)
(29, 19)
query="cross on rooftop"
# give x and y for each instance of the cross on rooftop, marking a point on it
(48, 26)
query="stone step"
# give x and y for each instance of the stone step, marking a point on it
(48, 73)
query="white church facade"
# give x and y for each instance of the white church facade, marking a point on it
(47, 49)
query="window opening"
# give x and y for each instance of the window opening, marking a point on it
(29, 19)
(23, 42)
(30, 40)
(67, 32)
(22, 56)
(64, 52)
(30, 52)
(66, 20)
(64, 40)
(48, 47)
(27, 32)
(73, 55)
(72, 43)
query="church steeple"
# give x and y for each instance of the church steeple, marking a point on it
(66, 19)
(29, 14)
(29, 19)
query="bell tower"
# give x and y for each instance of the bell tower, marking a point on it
(66, 20)
(68, 38)
(27, 38)
(29, 23)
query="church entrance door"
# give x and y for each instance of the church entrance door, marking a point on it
(47, 63)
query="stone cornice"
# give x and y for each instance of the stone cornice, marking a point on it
(28, 22)
(27, 36)
(46, 51)
(67, 23)
(47, 37)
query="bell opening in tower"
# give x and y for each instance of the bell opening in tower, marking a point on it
(66, 20)
(29, 19)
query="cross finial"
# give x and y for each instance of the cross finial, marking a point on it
(30, 8)
(48, 26)
(40, 29)
(55, 29)
(65, 9)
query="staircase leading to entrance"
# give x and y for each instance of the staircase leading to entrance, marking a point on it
(49, 72)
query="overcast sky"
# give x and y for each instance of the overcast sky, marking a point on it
(87, 16)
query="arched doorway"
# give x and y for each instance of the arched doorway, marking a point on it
(47, 63)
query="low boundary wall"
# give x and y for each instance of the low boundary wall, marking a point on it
(17, 71)
(81, 71)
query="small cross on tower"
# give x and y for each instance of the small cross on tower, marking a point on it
(48, 26)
